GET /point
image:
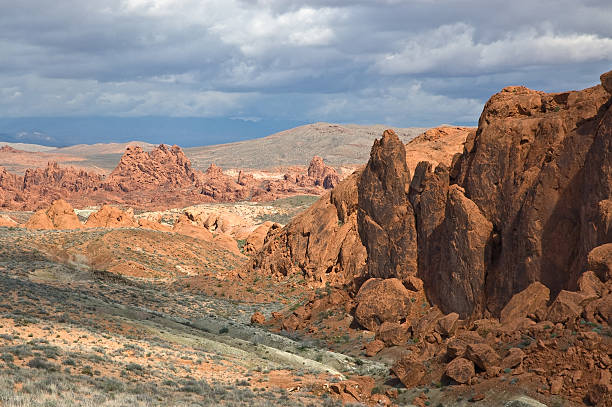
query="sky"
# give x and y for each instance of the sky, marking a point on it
(200, 71)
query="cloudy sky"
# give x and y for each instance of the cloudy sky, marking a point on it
(397, 62)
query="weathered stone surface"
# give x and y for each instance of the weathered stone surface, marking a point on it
(524, 401)
(321, 242)
(460, 370)
(255, 241)
(590, 284)
(600, 392)
(513, 359)
(466, 255)
(606, 81)
(385, 216)
(483, 355)
(409, 371)
(533, 300)
(600, 261)
(393, 333)
(380, 301)
(373, 347)
(566, 307)
(258, 318)
(447, 325)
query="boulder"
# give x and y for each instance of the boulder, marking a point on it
(460, 370)
(532, 300)
(258, 318)
(483, 355)
(600, 261)
(393, 333)
(373, 347)
(447, 325)
(380, 301)
(457, 346)
(589, 284)
(513, 359)
(600, 392)
(600, 310)
(566, 307)
(409, 371)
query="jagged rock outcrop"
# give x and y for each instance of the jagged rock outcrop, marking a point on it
(55, 178)
(60, 215)
(255, 241)
(321, 174)
(164, 166)
(385, 216)
(540, 171)
(526, 201)
(322, 242)
(327, 244)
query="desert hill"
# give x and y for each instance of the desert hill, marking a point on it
(337, 144)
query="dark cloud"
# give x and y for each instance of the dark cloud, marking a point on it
(407, 63)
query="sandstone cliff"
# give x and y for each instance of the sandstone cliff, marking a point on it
(527, 200)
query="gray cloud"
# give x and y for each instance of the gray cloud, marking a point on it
(406, 63)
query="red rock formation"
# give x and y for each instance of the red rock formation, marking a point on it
(6, 221)
(60, 180)
(326, 243)
(60, 215)
(385, 217)
(220, 187)
(111, 217)
(162, 167)
(526, 201)
(321, 174)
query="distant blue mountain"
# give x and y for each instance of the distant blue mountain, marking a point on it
(186, 132)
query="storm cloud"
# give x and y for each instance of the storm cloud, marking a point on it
(405, 63)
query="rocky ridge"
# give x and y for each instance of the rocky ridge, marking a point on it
(161, 178)
(509, 240)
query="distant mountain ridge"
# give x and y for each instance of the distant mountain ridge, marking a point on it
(337, 144)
